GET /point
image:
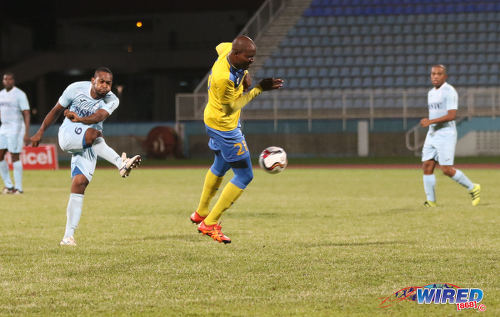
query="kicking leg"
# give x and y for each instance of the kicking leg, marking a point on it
(243, 175)
(94, 138)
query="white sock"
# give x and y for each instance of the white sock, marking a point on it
(18, 174)
(460, 178)
(73, 213)
(4, 172)
(103, 150)
(429, 184)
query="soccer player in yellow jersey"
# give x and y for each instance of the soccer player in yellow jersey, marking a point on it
(228, 81)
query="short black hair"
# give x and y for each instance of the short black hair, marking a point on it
(11, 74)
(102, 69)
(440, 66)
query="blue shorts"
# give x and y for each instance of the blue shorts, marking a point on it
(231, 144)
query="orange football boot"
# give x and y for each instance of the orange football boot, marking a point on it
(213, 231)
(196, 218)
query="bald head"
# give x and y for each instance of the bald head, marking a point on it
(243, 43)
(243, 52)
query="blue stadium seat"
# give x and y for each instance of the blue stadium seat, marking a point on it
(325, 83)
(323, 72)
(367, 82)
(312, 72)
(335, 82)
(333, 72)
(291, 72)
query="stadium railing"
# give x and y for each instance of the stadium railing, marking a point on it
(345, 104)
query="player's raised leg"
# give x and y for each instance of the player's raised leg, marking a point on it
(213, 179)
(94, 138)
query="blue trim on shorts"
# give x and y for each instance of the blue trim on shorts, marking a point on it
(76, 171)
(84, 144)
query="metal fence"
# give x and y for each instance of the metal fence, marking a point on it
(348, 104)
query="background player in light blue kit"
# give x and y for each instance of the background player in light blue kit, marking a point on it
(86, 105)
(441, 138)
(14, 132)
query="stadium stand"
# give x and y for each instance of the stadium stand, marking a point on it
(378, 45)
(372, 44)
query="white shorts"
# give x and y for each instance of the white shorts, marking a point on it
(71, 137)
(440, 146)
(84, 163)
(12, 142)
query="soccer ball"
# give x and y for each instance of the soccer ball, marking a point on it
(273, 159)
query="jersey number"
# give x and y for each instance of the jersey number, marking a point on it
(242, 148)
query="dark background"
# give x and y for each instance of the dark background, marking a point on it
(52, 44)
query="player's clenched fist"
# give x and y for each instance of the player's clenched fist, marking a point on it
(271, 83)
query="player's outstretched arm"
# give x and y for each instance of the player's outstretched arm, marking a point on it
(52, 116)
(271, 83)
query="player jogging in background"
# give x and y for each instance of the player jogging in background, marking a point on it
(441, 138)
(86, 104)
(14, 132)
(228, 80)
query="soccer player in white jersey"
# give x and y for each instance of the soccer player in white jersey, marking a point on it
(86, 105)
(439, 146)
(14, 132)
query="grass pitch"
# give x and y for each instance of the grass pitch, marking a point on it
(307, 242)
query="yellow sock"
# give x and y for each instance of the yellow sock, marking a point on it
(210, 187)
(228, 196)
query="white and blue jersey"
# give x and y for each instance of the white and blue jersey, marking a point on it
(77, 98)
(71, 135)
(441, 138)
(439, 101)
(12, 104)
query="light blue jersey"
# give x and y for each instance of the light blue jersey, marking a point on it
(441, 100)
(441, 138)
(12, 104)
(77, 98)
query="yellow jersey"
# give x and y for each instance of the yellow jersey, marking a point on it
(225, 92)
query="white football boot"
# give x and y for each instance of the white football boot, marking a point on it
(129, 164)
(68, 241)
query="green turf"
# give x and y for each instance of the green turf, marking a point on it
(318, 242)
